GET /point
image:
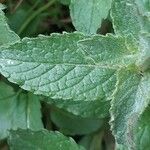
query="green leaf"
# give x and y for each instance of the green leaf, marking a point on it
(66, 66)
(99, 108)
(69, 67)
(78, 126)
(94, 109)
(142, 131)
(65, 2)
(6, 35)
(131, 17)
(18, 110)
(87, 15)
(145, 6)
(130, 100)
(93, 141)
(120, 147)
(144, 56)
(23, 26)
(44, 140)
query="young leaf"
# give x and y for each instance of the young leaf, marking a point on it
(87, 15)
(74, 125)
(44, 140)
(61, 67)
(6, 35)
(130, 100)
(131, 97)
(18, 110)
(131, 17)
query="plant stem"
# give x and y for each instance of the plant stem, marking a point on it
(36, 13)
(17, 5)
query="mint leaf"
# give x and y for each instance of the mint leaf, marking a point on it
(132, 95)
(66, 66)
(70, 124)
(142, 131)
(144, 5)
(144, 55)
(6, 35)
(131, 17)
(61, 67)
(94, 46)
(130, 100)
(44, 140)
(110, 50)
(18, 110)
(87, 15)
(85, 109)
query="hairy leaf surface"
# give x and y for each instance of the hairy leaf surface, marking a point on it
(130, 100)
(61, 67)
(132, 95)
(131, 17)
(87, 15)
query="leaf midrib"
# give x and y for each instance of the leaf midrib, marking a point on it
(69, 64)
